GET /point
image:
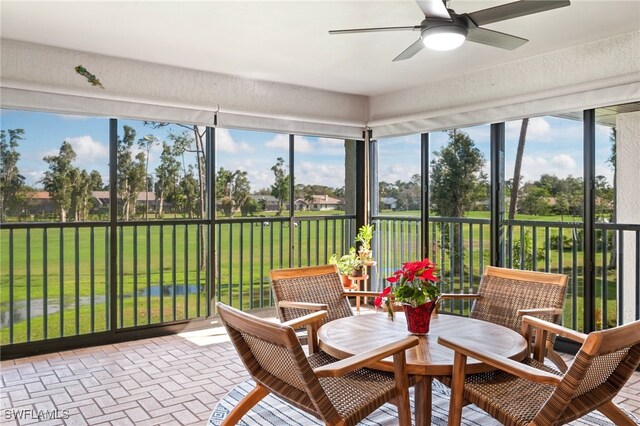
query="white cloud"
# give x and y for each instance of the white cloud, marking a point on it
(226, 143)
(398, 171)
(33, 177)
(538, 128)
(328, 146)
(311, 173)
(281, 142)
(561, 165)
(563, 161)
(88, 150)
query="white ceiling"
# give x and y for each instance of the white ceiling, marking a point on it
(287, 41)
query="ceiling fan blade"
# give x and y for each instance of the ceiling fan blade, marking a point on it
(372, 30)
(514, 10)
(495, 38)
(410, 51)
(434, 9)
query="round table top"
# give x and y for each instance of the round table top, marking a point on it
(349, 336)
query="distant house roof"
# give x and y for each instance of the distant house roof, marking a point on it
(40, 195)
(388, 200)
(321, 199)
(268, 198)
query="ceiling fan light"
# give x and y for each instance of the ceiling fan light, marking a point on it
(445, 37)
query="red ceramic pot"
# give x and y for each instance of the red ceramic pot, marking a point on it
(419, 318)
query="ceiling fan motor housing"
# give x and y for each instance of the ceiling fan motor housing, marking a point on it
(444, 34)
(456, 25)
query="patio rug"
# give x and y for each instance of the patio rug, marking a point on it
(273, 411)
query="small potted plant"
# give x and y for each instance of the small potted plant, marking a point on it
(348, 265)
(364, 237)
(414, 287)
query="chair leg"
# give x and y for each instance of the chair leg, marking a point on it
(402, 389)
(457, 390)
(251, 399)
(615, 414)
(556, 358)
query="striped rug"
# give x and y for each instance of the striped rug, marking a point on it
(273, 411)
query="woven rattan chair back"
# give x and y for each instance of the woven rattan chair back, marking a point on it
(314, 284)
(505, 291)
(273, 356)
(605, 362)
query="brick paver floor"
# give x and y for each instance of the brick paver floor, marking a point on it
(173, 380)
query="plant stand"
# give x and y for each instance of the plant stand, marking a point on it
(355, 285)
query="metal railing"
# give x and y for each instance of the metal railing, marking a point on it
(55, 278)
(461, 247)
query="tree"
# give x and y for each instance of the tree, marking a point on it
(147, 143)
(96, 181)
(241, 189)
(456, 182)
(188, 200)
(515, 186)
(224, 180)
(280, 188)
(131, 173)
(167, 175)
(456, 175)
(194, 144)
(250, 207)
(11, 181)
(535, 200)
(192, 140)
(80, 194)
(59, 179)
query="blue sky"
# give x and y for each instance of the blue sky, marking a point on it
(553, 146)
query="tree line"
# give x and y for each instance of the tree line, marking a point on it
(458, 185)
(179, 187)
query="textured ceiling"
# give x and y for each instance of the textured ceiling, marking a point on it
(287, 41)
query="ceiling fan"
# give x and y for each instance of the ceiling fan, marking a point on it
(444, 29)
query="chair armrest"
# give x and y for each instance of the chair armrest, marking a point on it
(540, 311)
(460, 296)
(505, 364)
(363, 293)
(533, 322)
(315, 317)
(303, 305)
(347, 365)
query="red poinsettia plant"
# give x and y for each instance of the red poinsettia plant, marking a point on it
(414, 284)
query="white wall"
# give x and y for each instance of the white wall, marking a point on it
(42, 77)
(601, 73)
(628, 200)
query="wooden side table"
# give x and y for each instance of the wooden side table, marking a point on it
(355, 285)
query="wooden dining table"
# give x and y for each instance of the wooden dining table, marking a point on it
(349, 336)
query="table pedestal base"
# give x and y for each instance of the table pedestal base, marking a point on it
(423, 401)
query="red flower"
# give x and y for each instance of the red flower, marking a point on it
(378, 300)
(421, 269)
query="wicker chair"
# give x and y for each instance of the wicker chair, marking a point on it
(505, 295)
(298, 291)
(529, 393)
(339, 392)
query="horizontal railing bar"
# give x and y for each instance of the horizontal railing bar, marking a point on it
(49, 225)
(618, 226)
(518, 222)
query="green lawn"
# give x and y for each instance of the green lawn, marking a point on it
(47, 264)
